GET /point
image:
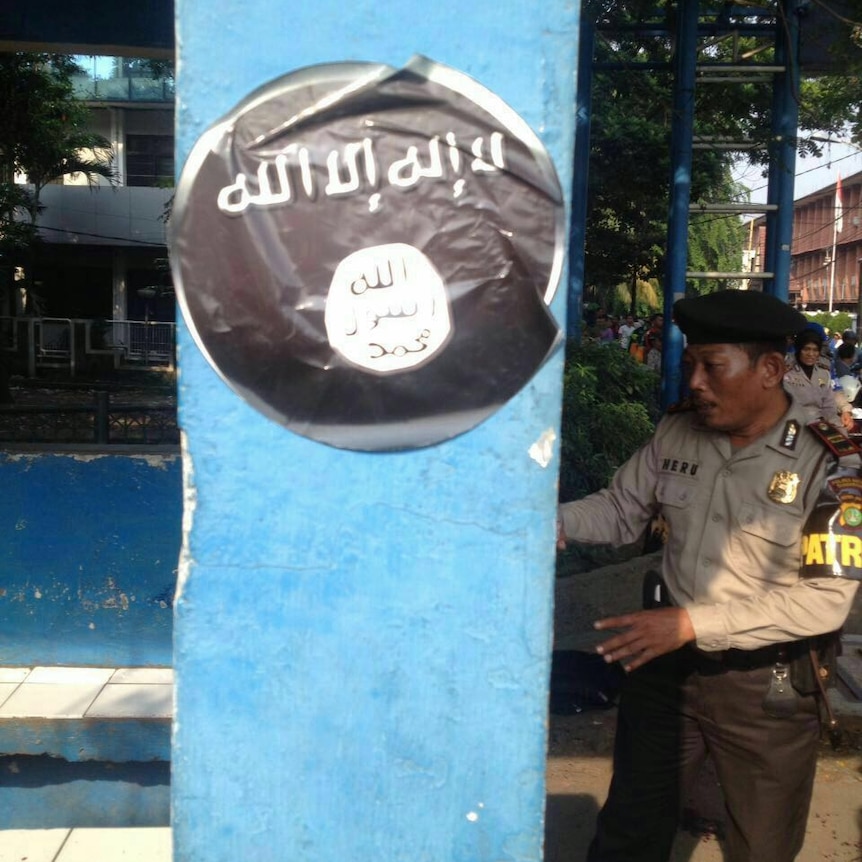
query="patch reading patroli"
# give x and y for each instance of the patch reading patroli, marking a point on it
(832, 539)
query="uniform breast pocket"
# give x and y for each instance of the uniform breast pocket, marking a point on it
(675, 497)
(765, 543)
(675, 492)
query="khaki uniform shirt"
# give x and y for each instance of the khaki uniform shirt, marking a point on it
(815, 394)
(732, 557)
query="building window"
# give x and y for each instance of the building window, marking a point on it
(150, 160)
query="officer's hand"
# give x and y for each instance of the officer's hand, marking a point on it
(645, 636)
(847, 420)
(561, 535)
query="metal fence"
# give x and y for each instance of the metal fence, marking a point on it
(70, 343)
(99, 421)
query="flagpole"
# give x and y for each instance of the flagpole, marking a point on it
(837, 225)
(832, 264)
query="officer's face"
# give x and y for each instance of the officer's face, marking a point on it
(729, 390)
(809, 354)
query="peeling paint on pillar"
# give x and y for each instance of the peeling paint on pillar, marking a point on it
(89, 571)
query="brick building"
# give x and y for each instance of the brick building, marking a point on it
(826, 259)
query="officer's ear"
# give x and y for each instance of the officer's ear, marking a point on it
(772, 366)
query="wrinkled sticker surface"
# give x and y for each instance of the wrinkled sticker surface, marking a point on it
(366, 255)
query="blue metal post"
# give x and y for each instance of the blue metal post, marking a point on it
(680, 194)
(782, 162)
(580, 181)
(363, 639)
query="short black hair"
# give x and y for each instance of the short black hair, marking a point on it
(846, 350)
(756, 349)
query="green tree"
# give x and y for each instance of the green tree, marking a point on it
(44, 134)
(632, 110)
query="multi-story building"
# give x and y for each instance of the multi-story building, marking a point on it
(104, 244)
(104, 256)
(826, 255)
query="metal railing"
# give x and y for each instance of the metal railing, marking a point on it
(99, 421)
(66, 343)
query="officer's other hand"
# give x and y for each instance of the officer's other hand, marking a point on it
(561, 536)
(645, 635)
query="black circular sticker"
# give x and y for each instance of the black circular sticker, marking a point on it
(366, 255)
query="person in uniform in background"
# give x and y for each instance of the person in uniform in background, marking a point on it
(811, 384)
(735, 477)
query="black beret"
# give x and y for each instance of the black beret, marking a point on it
(736, 316)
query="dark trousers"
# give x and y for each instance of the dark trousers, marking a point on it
(673, 713)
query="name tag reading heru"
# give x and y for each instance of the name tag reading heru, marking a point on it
(679, 466)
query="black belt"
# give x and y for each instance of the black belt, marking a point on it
(743, 659)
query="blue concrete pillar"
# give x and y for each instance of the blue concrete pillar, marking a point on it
(362, 639)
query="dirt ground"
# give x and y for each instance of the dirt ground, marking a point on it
(579, 765)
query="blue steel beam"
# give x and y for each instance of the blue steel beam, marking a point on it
(580, 178)
(782, 161)
(680, 195)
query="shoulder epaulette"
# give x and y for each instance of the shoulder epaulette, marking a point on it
(687, 404)
(838, 443)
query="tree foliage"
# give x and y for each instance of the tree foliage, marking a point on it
(43, 134)
(610, 404)
(632, 114)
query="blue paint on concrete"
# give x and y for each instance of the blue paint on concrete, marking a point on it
(111, 740)
(362, 642)
(89, 563)
(50, 793)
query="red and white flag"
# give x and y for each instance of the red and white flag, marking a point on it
(839, 207)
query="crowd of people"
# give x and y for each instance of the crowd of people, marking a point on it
(641, 338)
(823, 369)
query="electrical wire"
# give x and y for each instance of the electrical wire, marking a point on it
(123, 239)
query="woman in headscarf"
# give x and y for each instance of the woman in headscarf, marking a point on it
(811, 384)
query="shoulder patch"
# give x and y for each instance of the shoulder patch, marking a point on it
(833, 439)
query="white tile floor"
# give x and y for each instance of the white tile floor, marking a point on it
(76, 692)
(86, 845)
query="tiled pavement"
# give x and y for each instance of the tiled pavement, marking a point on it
(86, 845)
(92, 692)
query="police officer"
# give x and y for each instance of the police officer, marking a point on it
(735, 477)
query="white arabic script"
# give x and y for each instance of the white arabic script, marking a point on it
(354, 168)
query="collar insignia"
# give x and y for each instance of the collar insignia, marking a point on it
(791, 432)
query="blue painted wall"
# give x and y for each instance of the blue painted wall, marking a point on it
(362, 641)
(50, 793)
(90, 558)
